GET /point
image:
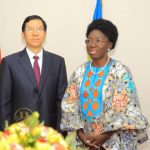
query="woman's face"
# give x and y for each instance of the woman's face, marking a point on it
(97, 45)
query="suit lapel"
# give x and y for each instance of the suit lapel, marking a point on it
(45, 69)
(25, 61)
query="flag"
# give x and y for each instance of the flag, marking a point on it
(98, 10)
(97, 14)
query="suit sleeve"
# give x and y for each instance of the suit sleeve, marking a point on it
(5, 94)
(62, 84)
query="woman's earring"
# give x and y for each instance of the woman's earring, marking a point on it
(108, 50)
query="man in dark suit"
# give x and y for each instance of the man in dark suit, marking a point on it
(32, 79)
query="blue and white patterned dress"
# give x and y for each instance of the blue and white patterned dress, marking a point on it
(104, 102)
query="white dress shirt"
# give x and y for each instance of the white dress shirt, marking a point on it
(31, 55)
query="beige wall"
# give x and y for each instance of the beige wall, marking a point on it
(67, 21)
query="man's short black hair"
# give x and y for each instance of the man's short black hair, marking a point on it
(33, 17)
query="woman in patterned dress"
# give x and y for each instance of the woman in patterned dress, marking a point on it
(101, 103)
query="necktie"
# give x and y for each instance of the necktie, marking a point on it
(36, 70)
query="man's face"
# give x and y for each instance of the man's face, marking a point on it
(34, 34)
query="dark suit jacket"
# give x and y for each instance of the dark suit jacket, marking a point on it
(19, 94)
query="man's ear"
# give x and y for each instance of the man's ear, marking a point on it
(23, 38)
(22, 35)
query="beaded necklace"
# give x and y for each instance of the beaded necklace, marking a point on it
(101, 69)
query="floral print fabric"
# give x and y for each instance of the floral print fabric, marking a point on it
(121, 110)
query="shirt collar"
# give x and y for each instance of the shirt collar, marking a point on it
(31, 54)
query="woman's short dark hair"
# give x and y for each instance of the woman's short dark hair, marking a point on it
(106, 27)
(33, 17)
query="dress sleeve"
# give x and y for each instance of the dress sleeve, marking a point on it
(70, 106)
(124, 111)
